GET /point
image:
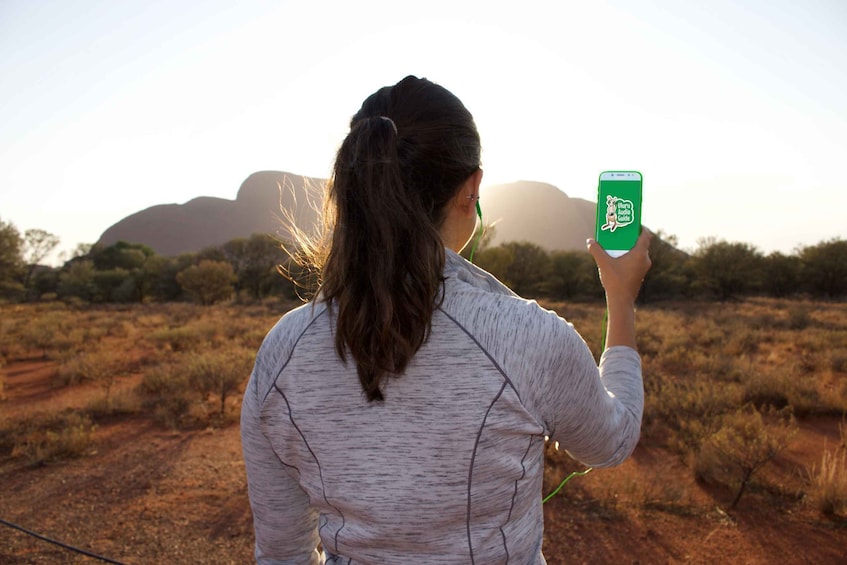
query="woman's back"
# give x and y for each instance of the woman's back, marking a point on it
(448, 468)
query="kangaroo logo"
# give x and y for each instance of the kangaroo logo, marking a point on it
(619, 213)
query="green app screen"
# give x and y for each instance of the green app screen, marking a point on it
(618, 214)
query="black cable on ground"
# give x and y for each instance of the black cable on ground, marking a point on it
(60, 544)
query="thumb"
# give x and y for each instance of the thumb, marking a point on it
(596, 251)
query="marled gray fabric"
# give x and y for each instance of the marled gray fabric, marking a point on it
(448, 469)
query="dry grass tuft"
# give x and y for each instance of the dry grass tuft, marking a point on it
(48, 438)
(829, 483)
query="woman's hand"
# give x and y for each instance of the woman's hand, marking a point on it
(622, 276)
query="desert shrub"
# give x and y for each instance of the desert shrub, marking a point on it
(39, 334)
(742, 340)
(7, 335)
(676, 355)
(75, 339)
(165, 391)
(799, 318)
(253, 338)
(783, 386)
(46, 329)
(649, 342)
(765, 390)
(183, 338)
(828, 480)
(684, 412)
(123, 329)
(121, 403)
(717, 366)
(810, 362)
(655, 492)
(151, 320)
(691, 346)
(838, 360)
(101, 366)
(813, 341)
(744, 443)
(12, 344)
(705, 333)
(49, 438)
(215, 331)
(220, 326)
(219, 372)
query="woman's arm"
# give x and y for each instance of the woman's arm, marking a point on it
(622, 278)
(598, 420)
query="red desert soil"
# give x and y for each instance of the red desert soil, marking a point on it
(148, 495)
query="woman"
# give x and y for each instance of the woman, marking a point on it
(400, 417)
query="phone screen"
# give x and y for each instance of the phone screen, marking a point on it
(618, 211)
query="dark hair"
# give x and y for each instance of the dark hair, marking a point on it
(410, 148)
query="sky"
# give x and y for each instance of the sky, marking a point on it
(734, 111)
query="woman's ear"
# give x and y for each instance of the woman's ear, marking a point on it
(477, 180)
(469, 193)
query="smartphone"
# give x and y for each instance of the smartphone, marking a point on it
(618, 211)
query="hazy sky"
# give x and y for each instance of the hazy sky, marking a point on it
(735, 111)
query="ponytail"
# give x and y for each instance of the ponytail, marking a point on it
(409, 149)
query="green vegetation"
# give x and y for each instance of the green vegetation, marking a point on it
(208, 281)
(717, 269)
(248, 269)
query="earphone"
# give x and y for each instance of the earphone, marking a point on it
(481, 227)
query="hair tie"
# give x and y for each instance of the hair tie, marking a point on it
(390, 121)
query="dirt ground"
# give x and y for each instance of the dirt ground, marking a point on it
(144, 494)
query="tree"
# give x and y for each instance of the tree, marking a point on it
(44, 280)
(208, 281)
(126, 272)
(149, 278)
(81, 250)
(77, 279)
(666, 277)
(825, 267)
(781, 274)
(522, 266)
(254, 261)
(726, 269)
(111, 285)
(163, 273)
(530, 268)
(120, 255)
(37, 245)
(495, 260)
(10, 251)
(573, 274)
